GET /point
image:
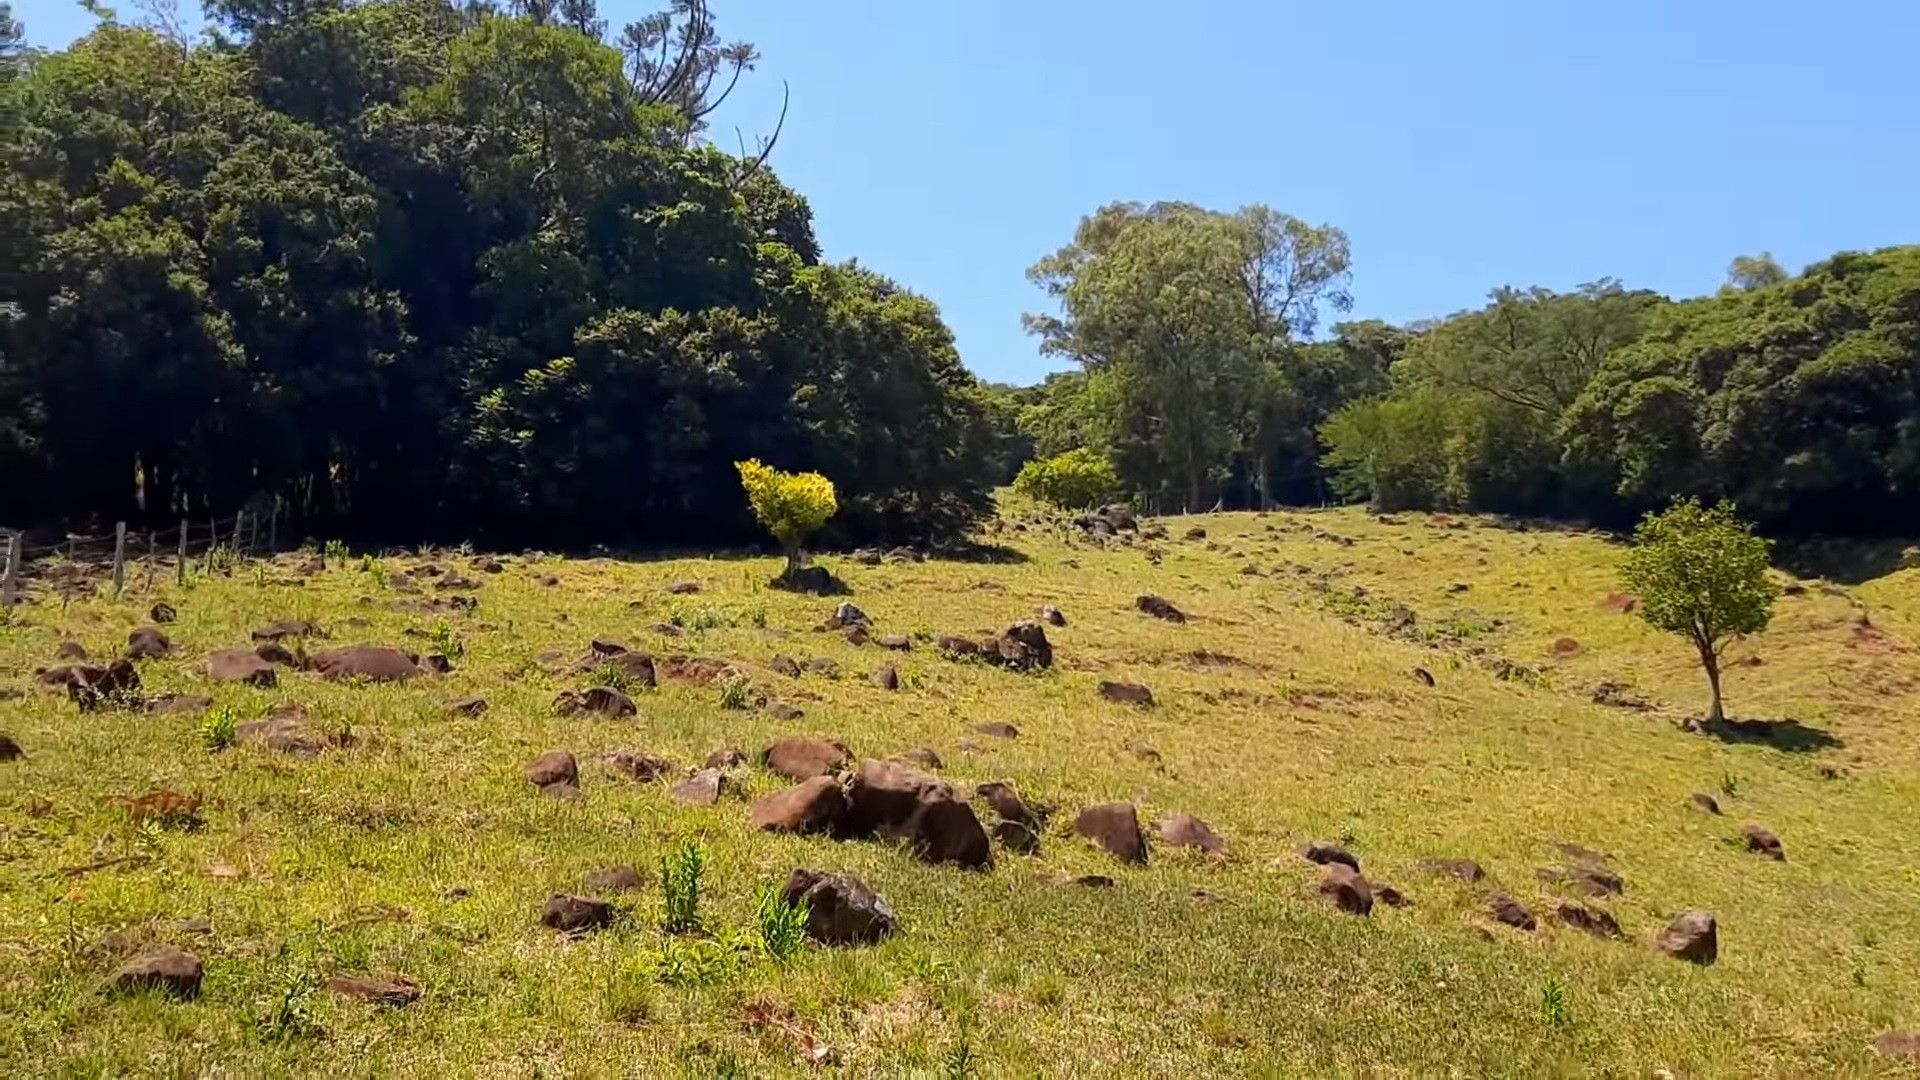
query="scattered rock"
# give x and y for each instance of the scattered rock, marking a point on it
(70, 650)
(1185, 830)
(239, 665)
(1024, 647)
(1144, 751)
(576, 914)
(621, 878)
(821, 665)
(999, 729)
(1565, 648)
(812, 806)
(180, 703)
(887, 678)
(1898, 1043)
(1116, 828)
(162, 613)
(841, 910)
(549, 580)
(1706, 802)
(703, 788)
(288, 733)
(1762, 841)
(636, 669)
(1591, 919)
(799, 758)
(924, 756)
(173, 972)
(1126, 693)
(1617, 695)
(375, 663)
(552, 767)
(1347, 889)
(846, 614)
(1018, 826)
(1423, 675)
(785, 665)
(1327, 853)
(781, 710)
(896, 642)
(275, 653)
(10, 750)
(606, 701)
(1506, 909)
(1692, 936)
(488, 565)
(634, 765)
(287, 628)
(813, 580)
(392, 991)
(468, 706)
(684, 588)
(727, 757)
(1388, 895)
(1160, 609)
(1196, 533)
(1052, 616)
(955, 647)
(894, 802)
(1620, 603)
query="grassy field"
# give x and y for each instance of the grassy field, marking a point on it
(1287, 710)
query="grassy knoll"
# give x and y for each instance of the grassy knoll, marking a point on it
(1287, 711)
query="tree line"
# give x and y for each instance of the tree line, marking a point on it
(1196, 378)
(431, 268)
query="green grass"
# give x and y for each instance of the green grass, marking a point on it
(421, 850)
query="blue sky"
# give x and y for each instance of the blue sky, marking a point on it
(1462, 144)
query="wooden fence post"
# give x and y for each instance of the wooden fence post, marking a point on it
(180, 559)
(119, 558)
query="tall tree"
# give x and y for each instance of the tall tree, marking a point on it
(1749, 272)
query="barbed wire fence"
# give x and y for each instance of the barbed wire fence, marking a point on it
(68, 559)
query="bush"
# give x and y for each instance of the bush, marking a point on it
(1074, 480)
(791, 506)
(680, 873)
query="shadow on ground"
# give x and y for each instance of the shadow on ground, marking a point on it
(1791, 736)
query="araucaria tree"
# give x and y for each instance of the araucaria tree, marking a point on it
(792, 506)
(1701, 573)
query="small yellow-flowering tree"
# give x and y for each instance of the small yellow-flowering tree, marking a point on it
(792, 506)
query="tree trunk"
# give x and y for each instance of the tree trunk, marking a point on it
(1193, 491)
(1260, 483)
(1715, 714)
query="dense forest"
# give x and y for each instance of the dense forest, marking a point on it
(423, 269)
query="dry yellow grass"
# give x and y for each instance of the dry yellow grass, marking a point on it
(1302, 721)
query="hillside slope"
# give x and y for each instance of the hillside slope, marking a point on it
(1287, 709)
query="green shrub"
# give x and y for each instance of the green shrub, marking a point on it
(783, 926)
(217, 728)
(736, 694)
(1074, 480)
(791, 506)
(680, 873)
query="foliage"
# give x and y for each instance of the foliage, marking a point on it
(736, 694)
(783, 926)
(1700, 573)
(791, 506)
(680, 873)
(217, 728)
(1074, 480)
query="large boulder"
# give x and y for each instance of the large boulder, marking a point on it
(240, 665)
(375, 663)
(171, 971)
(1116, 828)
(892, 801)
(1693, 936)
(841, 910)
(812, 806)
(799, 758)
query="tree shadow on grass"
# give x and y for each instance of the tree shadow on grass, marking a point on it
(1790, 736)
(973, 551)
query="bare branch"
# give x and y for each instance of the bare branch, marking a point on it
(746, 172)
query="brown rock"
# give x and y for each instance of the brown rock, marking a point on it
(887, 678)
(635, 668)
(703, 788)
(1185, 830)
(1692, 936)
(1510, 911)
(785, 665)
(820, 665)
(1115, 827)
(684, 588)
(1144, 751)
(275, 653)
(606, 701)
(726, 757)
(924, 756)
(468, 706)
(549, 580)
(173, 972)
(781, 710)
(799, 758)
(438, 663)
(614, 879)
(552, 767)
(576, 914)
(1898, 1044)
(375, 663)
(634, 765)
(1706, 802)
(1423, 675)
(999, 729)
(1024, 647)
(392, 991)
(841, 910)
(10, 750)
(1464, 869)
(1566, 647)
(162, 613)
(1347, 889)
(1018, 826)
(1160, 609)
(287, 628)
(148, 643)
(857, 635)
(812, 806)
(1388, 895)
(896, 642)
(955, 647)
(1590, 879)
(1326, 854)
(1126, 693)
(180, 703)
(239, 665)
(1052, 616)
(70, 650)
(1591, 919)
(287, 733)
(1762, 841)
(894, 802)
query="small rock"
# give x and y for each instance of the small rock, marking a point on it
(703, 788)
(812, 806)
(392, 991)
(1116, 828)
(275, 653)
(895, 802)
(287, 628)
(552, 767)
(857, 635)
(1185, 830)
(180, 703)
(924, 756)
(239, 665)
(841, 910)
(1347, 889)
(1160, 609)
(896, 642)
(1052, 616)
(10, 750)
(1423, 675)
(1692, 936)
(1762, 841)
(1388, 895)
(1566, 647)
(171, 971)
(1706, 802)
(1899, 1043)
(621, 878)
(468, 706)
(955, 647)
(634, 765)
(576, 914)
(785, 665)
(726, 757)
(1196, 533)
(684, 588)
(162, 613)
(1327, 853)
(887, 678)
(1591, 919)
(1464, 869)
(1510, 911)
(1144, 751)
(1019, 826)
(374, 663)
(70, 650)
(1126, 693)
(781, 710)
(606, 701)
(999, 729)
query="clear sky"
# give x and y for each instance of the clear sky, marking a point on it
(1462, 144)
